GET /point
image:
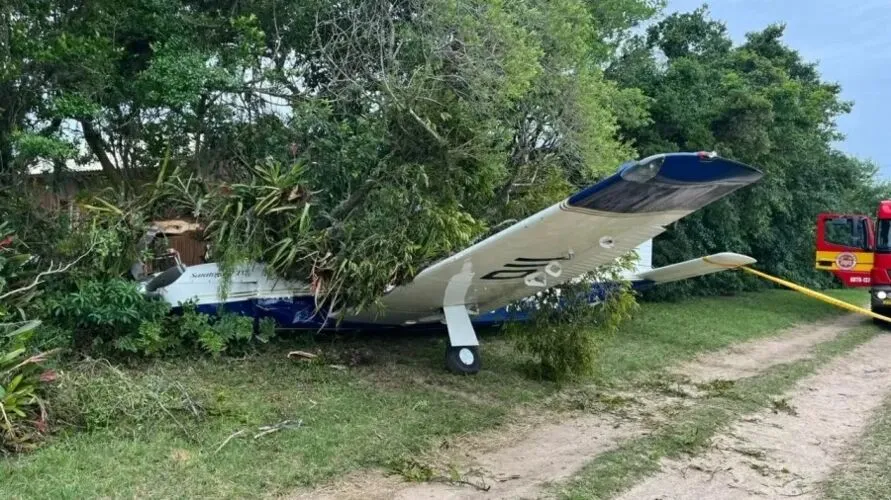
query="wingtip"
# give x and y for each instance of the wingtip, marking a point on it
(730, 259)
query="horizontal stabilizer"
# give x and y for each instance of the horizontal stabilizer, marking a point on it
(696, 267)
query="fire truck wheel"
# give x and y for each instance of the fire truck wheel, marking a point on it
(884, 311)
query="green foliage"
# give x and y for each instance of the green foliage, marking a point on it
(215, 334)
(342, 409)
(567, 331)
(22, 415)
(31, 147)
(113, 311)
(224, 331)
(351, 159)
(14, 276)
(399, 149)
(113, 315)
(94, 394)
(760, 103)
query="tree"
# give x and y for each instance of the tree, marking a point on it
(758, 103)
(411, 128)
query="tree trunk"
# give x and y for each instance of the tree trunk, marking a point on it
(100, 151)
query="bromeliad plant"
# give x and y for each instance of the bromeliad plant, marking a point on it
(22, 413)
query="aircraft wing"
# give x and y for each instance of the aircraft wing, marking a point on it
(590, 228)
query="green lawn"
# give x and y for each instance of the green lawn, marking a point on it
(397, 404)
(868, 475)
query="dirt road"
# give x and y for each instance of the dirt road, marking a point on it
(782, 454)
(832, 406)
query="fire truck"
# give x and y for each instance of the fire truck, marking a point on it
(858, 252)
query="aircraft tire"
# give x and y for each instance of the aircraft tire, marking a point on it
(463, 360)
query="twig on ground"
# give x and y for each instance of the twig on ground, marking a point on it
(448, 480)
(302, 355)
(188, 398)
(230, 438)
(188, 434)
(264, 430)
(286, 424)
(801, 493)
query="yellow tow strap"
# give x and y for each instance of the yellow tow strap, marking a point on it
(809, 292)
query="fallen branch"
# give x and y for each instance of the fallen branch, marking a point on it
(46, 273)
(264, 430)
(302, 355)
(230, 438)
(453, 480)
(480, 487)
(286, 424)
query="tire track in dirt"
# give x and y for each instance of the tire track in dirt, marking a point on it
(785, 454)
(511, 463)
(754, 357)
(524, 459)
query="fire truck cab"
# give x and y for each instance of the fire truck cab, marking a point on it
(858, 252)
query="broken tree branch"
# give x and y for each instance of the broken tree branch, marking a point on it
(46, 273)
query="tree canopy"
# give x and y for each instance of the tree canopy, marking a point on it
(351, 143)
(759, 103)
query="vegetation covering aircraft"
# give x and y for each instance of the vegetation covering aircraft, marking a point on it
(593, 227)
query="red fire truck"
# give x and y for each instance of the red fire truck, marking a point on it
(858, 252)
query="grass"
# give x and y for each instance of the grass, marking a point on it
(867, 476)
(395, 405)
(664, 333)
(690, 430)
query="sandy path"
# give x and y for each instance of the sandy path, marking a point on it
(521, 461)
(783, 455)
(510, 468)
(754, 357)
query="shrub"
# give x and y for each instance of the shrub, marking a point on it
(110, 311)
(566, 330)
(114, 315)
(22, 412)
(22, 415)
(216, 334)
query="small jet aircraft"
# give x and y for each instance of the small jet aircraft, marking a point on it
(593, 227)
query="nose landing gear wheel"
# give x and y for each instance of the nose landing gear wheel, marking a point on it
(463, 360)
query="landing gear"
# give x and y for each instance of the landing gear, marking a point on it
(463, 352)
(463, 360)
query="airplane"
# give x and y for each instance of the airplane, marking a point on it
(475, 287)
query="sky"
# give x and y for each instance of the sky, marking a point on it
(851, 42)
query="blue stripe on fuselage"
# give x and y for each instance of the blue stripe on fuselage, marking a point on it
(300, 312)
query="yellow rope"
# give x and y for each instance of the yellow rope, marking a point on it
(808, 292)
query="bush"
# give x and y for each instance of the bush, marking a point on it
(22, 415)
(101, 312)
(112, 315)
(22, 412)
(216, 334)
(566, 330)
